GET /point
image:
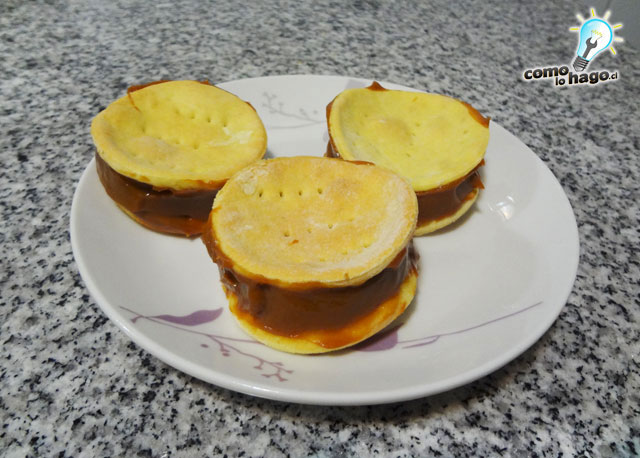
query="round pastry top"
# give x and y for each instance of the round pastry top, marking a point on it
(430, 139)
(179, 135)
(311, 221)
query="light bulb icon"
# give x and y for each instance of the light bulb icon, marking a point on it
(595, 35)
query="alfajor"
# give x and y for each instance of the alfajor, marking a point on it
(165, 149)
(314, 254)
(436, 142)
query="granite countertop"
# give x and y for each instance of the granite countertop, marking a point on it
(73, 384)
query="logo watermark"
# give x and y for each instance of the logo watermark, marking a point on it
(596, 35)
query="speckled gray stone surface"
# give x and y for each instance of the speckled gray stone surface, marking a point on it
(72, 384)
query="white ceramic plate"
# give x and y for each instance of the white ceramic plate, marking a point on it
(489, 287)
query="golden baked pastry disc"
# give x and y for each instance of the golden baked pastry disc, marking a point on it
(179, 135)
(430, 139)
(313, 221)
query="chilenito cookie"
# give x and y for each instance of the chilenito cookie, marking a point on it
(314, 254)
(436, 142)
(165, 149)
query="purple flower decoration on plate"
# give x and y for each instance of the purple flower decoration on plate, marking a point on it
(386, 340)
(268, 368)
(193, 319)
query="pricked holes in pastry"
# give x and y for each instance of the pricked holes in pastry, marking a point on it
(281, 194)
(300, 192)
(320, 190)
(330, 225)
(260, 193)
(286, 233)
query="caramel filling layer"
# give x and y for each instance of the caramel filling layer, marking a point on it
(331, 315)
(446, 200)
(443, 201)
(182, 212)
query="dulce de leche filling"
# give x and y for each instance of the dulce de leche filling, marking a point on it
(183, 212)
(446, 200)
(443, 201)
(330, 315)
